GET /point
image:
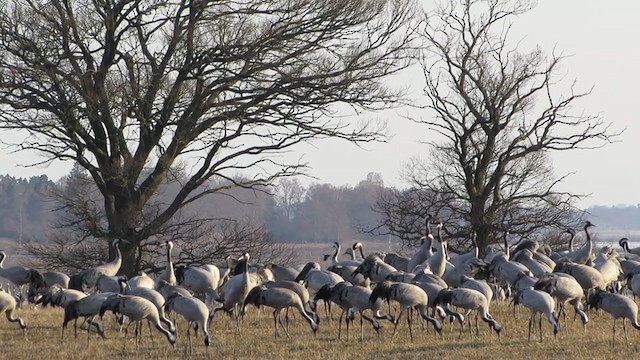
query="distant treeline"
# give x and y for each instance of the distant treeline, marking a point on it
(625, 218)
(290, 212)
(317, 213)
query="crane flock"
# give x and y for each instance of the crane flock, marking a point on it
(431, 282)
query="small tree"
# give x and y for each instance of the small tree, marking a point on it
(498, 117)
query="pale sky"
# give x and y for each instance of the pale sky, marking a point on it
(602, 39)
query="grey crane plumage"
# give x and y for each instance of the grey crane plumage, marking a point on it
(136, 309)
(395, 260)
(538, 302)
(346, 272)
(566, 289)
(88, 277)
(537, 268)
(408, 296)
(87, 307)
(194, 311)
(353, 299)
(199, 281)
(106, 283)
(8, 307)
(283, 272)
(57, 296)
(51, 279)
(375, 269)
(20, 275)
(150, 294)
(279, 299)
(142, 280)
(467, 299)
(587, 277)
(167, 290)
(469, 268)
(618, 306)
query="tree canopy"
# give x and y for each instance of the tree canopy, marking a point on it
(218, 87)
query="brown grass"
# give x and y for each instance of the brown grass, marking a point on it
(42, 340)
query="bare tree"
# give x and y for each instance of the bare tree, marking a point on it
(497, 117)
(220, 86)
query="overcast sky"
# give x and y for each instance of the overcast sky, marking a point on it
(602, 39)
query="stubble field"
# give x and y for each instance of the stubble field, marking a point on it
(42, 340)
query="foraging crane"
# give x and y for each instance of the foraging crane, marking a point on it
(87, 307)
(20, 275)
(353, 299)
(167, 290)
(538, 302)
(51, 279)
(469, 268)
(135, 308)
(236, 289)
(375, 269)
(57, 296)
(469, 300)
(194, 311)
(150, 294)
(278, 299)
(408, 296)
(565, 288)
(8, 307)
(618, 306)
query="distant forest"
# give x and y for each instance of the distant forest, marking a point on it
(318, 213)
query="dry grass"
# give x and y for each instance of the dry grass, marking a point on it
(257, 342)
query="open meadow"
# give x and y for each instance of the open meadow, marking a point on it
(42, 340)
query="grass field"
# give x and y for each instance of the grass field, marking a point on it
(42, 340)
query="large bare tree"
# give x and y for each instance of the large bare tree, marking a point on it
(498, 115)
(219, 86)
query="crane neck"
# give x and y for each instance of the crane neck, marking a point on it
(2, 257)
